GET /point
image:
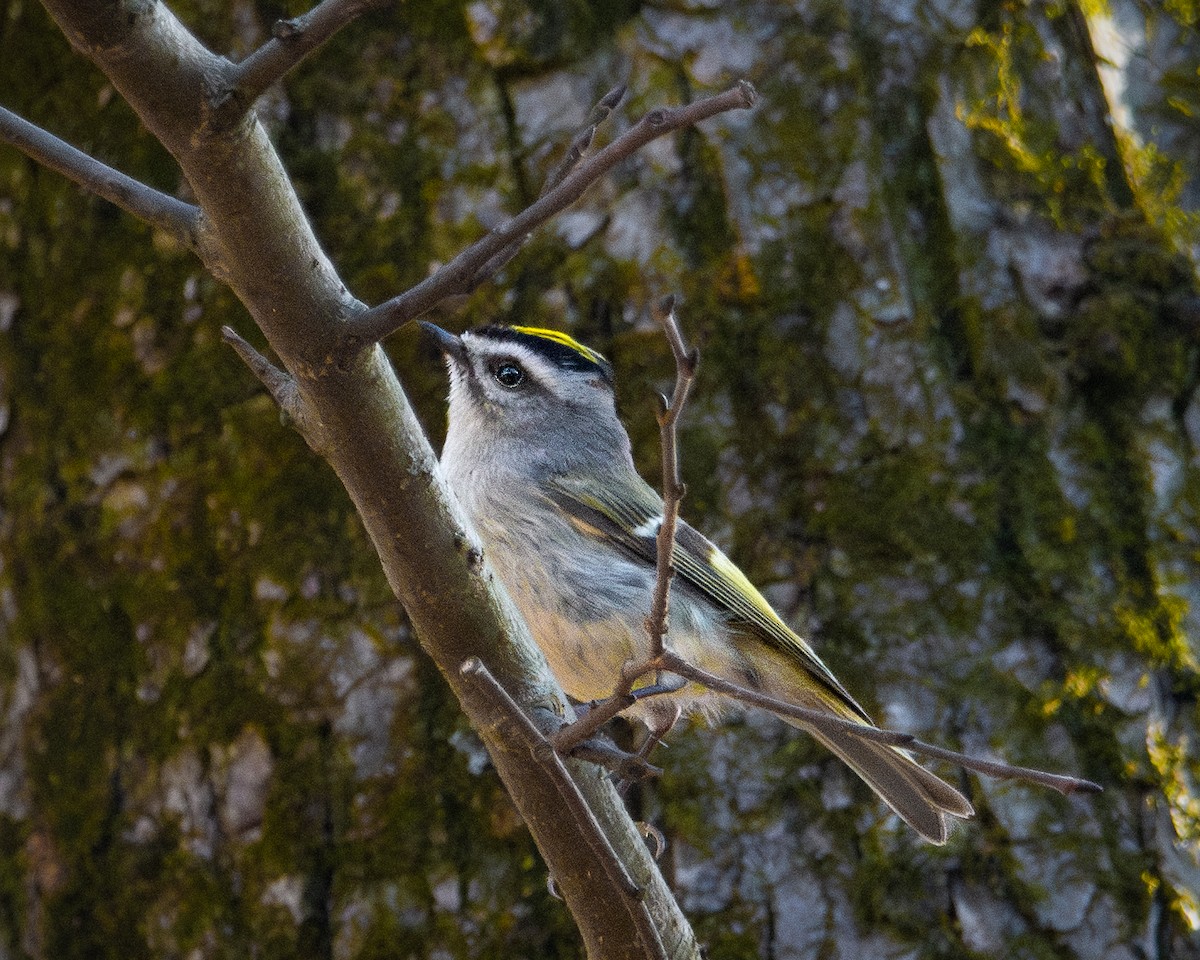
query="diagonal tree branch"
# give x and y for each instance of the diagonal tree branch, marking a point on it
(599, 847)
(458, 275)
(181, 220)
(374, 442)
(291, 42)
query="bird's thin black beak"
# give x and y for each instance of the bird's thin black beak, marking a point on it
(450, 344)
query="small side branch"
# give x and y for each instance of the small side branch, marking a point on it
(583, 140)
(576, 807)
(575, 153)
(673, 663)
(625, 767)
(279, 384)
(686, 362)
(181, 220)
(291, 42)
(459, 274)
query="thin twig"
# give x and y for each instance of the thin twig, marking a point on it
(583, 140)
(457, 275)
(686, 362)
(291, 42)
(673, 663)
(575, 153)
(576, 807)
(181, 220)
(662, 659)
(998, 770)
(567, 737)
(674, 490)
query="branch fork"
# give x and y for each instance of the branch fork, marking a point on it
(292, 40)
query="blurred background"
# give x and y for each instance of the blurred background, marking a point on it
(944, 278)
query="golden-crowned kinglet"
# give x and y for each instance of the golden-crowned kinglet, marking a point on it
(539, 460)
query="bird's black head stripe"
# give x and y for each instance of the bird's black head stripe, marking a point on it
(558, 348)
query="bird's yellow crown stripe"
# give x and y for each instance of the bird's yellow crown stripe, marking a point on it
(557, 336)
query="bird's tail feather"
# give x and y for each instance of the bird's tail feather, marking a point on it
(918, 797)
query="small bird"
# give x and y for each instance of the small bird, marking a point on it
(535, 453)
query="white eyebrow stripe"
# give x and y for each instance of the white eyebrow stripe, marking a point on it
(649, 528)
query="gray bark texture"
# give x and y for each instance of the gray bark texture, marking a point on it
(944, 281)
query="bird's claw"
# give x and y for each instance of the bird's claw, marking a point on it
(655, 839)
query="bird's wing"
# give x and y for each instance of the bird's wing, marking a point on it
(628, 516)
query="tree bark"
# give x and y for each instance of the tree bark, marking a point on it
(947, 418)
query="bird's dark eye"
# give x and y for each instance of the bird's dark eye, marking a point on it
(508, 374)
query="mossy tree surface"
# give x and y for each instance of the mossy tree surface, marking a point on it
(946, 413)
